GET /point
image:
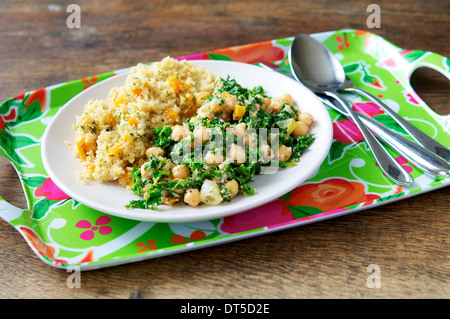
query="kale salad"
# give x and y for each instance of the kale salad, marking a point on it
(235, 134)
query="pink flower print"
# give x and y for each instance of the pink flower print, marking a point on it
(413, 98)
(196, 56)
(269, 214)
(390, 62)
(403, 162)
(90, 232)
(49, 190)
(346, 131)
(369, 108)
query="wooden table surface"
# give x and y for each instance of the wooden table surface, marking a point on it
(408, 239)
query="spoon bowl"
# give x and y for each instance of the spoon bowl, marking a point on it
(315, 67)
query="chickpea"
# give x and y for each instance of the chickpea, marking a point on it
(251, 140)
(240, 130)
(212, 106)
(144, 190)
(194, 119)
(168, 166)
(155, 151)
(200, 97)
(214, 159)
(192, 197)
(306, 118)
(275, 106)
(179, 132)
(203, 113)
(230, 102)
(300, 130)
(287, 98)
(237, 154)
(283, 153)
(179, 191)
(266, 104)
(298, 110)
(201, 134)
(147, 174)
(278, 102)
(267, 152)
(233, 186)
(181, 172)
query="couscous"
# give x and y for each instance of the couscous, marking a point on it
(112, 135)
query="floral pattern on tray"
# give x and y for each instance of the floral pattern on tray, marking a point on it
(63, 232)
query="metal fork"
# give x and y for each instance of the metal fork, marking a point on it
(415, 133)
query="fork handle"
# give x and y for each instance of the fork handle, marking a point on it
(414, 153)
(387, 163)
(415, 133)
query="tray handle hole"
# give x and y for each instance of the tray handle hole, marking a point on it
(10, 187)
(432, 87)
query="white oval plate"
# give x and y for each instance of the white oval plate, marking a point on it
(110, 198)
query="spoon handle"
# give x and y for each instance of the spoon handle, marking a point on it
(417, 155)
(388, 164)
(415, 133)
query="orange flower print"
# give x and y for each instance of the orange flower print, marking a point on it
(37, 244)
(360, 33)
(89, 257)
(196, 235)
(38, 95)
(343, 43)
(252, 53)
(150, 245)
(10, 117)
(89, 82)
(330, 194)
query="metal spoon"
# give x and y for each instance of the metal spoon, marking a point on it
(317, 68)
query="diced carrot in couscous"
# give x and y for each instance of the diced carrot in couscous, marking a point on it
(172, 115)
(118, 100)
(83, 149)
(175, 83)
(133, 122)
(137, 91)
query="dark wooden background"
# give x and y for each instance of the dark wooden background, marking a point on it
(407, 239)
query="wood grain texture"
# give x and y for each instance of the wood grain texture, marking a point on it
(407, 239)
